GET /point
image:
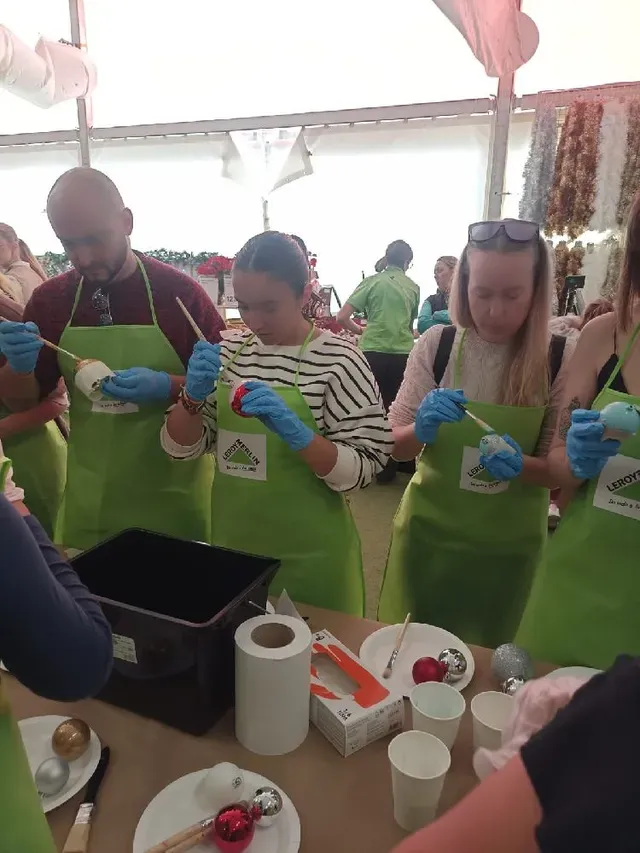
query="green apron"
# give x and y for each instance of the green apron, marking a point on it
(23, 826)
(464, 546)
(267, 501)
(39, 458)
(585, 599)
(118, 475)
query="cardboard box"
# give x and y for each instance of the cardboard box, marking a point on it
(349, 704)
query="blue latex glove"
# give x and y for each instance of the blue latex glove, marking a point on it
(138, 385)
(587, 452)
(442, 317)
(20, 346)
(203, 370)
(440, 406)
(263, 402)
(504, 465)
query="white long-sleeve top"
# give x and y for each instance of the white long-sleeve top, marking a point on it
(481, 376)
(11, 491)
(337, 385)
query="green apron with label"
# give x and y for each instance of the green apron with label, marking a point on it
(585, 599)
(267, 501)
(39, 458)
(464, 546)
(118, 475)
(23, 826)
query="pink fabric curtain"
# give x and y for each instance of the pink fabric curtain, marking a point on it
(501, 37)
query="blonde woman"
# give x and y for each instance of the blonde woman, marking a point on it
(19, 265)
(470, 527)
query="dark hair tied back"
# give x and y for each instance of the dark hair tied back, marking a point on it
(277, 255)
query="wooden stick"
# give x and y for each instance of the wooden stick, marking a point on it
(199, 335)
(52, 346)
(192, 842)
(482, 424)
(399, 641)
(198, 830)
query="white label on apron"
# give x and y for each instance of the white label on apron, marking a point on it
(618, 488)
(114, 407)
(124, 648)
(474, 477)
(242, 454)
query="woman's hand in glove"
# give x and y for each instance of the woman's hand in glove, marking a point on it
(440, 406)
(203, 370)
(587, 451)
(503, 464)
(264, 403)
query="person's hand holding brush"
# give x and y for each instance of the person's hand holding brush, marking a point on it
(20, 345)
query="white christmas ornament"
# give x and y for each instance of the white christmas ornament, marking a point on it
(223, 784)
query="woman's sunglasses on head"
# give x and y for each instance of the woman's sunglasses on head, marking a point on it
(516, 230)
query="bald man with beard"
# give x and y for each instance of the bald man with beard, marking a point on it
(119, 307)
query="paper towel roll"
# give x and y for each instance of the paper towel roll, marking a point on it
(273, 683)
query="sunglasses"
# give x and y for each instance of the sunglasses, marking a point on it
(516, 230)
(100, 302)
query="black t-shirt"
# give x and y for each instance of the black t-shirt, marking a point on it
(585, 767)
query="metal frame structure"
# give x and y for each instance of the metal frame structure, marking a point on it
(500, 107)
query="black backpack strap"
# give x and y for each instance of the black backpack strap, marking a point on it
(556, 354)
(443, 354)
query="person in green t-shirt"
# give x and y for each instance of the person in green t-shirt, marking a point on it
(390, 300)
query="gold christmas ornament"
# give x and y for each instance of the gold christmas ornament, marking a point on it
(71, 739)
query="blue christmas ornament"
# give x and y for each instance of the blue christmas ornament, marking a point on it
(620, 420)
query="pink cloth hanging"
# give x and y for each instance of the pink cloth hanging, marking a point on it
(501, 37)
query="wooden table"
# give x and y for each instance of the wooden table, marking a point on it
(344, 803)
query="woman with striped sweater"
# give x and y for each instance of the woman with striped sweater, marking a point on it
(310, 427)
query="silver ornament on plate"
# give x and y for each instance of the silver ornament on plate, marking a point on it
(512, 685)
(267, 802)
(509, 661)
(455, 664)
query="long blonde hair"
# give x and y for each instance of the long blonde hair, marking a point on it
(8, 233)
(526, 377)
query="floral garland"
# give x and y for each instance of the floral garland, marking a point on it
(538, 170)
(631, 174)
(610, 286)
(573, 191)
(55, 263)
(568, 262)
(613, 146)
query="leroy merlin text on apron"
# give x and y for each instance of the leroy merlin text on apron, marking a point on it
(585, 598)
(464, 546)
(118, 475)
(267, 501)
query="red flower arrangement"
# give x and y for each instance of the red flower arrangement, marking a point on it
(216, 265)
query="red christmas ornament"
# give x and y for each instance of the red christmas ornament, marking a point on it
(236, 400)
(428, 669)
(233, 829)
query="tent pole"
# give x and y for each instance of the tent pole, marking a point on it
(498, 148)
(78, 37)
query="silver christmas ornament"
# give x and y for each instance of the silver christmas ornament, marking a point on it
(455, 664)
(268, 803)
(510, 661)
(512, 685)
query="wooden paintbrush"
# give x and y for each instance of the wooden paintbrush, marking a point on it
(190, 836)
(396, 651)
(198, 333)
(52, 346)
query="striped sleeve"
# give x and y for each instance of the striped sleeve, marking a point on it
(354, 419)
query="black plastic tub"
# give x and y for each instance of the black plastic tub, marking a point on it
(173, 606)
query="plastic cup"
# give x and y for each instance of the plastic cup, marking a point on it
(419, 764)
(437, 708)
(490, 712)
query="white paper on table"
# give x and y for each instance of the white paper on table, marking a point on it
(286, 607)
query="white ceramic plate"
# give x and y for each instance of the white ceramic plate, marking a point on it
(420, 641)
(585, 672)
(36, 735)
(177, 806)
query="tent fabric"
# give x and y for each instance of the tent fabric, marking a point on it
(500, 36)
(46, 75)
